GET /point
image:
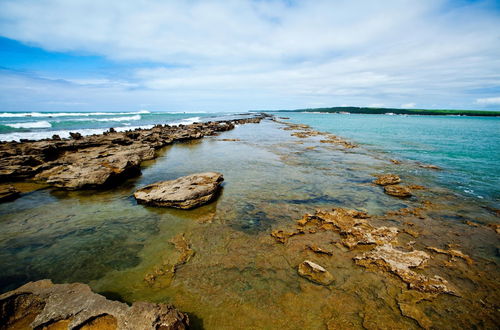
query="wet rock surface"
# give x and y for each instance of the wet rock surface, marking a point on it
(98, 160)
(44, 305)
(387, 179)
(402, 263)
(8, 193)
(398, 191)
(186, 192)
(315, 273)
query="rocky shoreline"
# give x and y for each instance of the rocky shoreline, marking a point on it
(87, 162)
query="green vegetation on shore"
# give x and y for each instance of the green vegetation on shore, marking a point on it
(399, 111)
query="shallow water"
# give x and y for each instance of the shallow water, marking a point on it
(240, 277)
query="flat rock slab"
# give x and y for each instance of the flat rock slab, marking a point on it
(186, 192)
(44, 305)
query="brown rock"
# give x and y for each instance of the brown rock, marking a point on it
(43, 304)
(387, 179)
(184, 193)
(452, 253)
(315, 273)
(8, 193)
(401, 263)
(398, 191)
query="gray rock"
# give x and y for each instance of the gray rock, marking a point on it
(43, 304)
(184, 193)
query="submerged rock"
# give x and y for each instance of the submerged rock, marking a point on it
(315, 273)
(387, 179)
(184, 193)
(401, 263)
(398, 191)
(44, 305)
(8, 193)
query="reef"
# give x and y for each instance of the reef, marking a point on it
(93, 161)
(315, 273)
(44, 305)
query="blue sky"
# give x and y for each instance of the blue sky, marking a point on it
(239, 55)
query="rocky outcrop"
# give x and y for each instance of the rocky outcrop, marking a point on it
(8, 193)
(92, 161)
(352, 225)
(401, 263)
(387, 179)
(398, 191)
(186, 192)
(315, 273)
(44, 305)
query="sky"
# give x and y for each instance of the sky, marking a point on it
(228, 55)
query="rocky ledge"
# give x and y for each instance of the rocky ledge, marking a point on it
(44, 305)
(92, 161)
(186, 192)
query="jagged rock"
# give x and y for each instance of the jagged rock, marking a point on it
(8, 193)
(453, 254)
(44, 305)
(282, 236)
(315, 273)
(387, 179)
(398, 191)
(316, 249)
(401, 263)
(185, 193)
(430, 166)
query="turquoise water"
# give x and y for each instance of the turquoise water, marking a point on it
(466, 148)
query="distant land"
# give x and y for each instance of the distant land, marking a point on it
(431, 112)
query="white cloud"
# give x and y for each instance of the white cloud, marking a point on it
(489, 101)
(408, 105)
(247, 54)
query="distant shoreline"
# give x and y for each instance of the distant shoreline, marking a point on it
(396, 111)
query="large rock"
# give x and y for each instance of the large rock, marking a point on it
(315, 273)
(387, 179)
(44, 305)
(184, 193)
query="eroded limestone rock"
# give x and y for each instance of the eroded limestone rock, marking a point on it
(315, 273)
(186, 192)
(44, 305)
(398, 191)
(401, 263)
(387, 179)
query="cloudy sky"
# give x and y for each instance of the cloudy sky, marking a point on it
(248, 54)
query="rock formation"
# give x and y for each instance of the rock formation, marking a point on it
(401, 263)
(44, 305)
(185, 192)
(387, 179)
(315, 273)
(398, 191)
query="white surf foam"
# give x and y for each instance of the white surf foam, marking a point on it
(67, 114)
